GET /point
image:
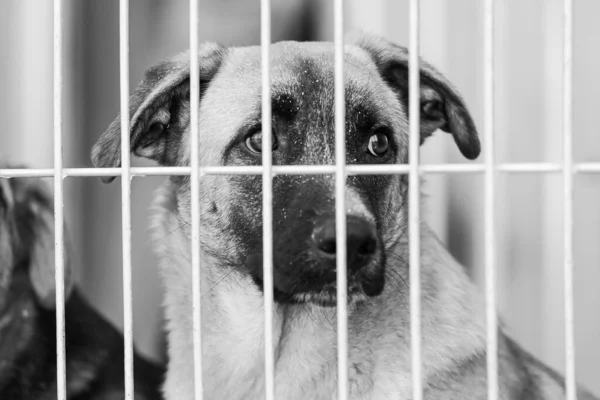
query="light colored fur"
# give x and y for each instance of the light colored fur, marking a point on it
(452, 329)
(305, 335)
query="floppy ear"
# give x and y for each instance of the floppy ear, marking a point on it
(34, 217)
(6, 232)
(41, 268)
(441, 105)
(159, 110)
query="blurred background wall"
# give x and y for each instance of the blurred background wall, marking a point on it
(528, 128)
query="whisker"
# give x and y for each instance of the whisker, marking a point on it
(166, 235)
(218, 282)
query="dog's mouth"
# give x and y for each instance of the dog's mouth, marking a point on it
(362, 285)
(327, 296)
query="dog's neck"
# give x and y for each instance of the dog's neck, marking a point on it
(305, 335)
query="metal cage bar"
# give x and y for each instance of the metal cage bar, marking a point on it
(126, 196)
(489, 207)
(340, 202)
(570, 384)
(267, 186)
(363, 169)
(59, 241)
(414, 211)
(195, 196)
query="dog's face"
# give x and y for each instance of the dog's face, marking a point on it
(376, 91)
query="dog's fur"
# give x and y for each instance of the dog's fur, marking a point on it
(376, 87)
(94, 347)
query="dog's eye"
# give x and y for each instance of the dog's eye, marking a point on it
(378, 144)
(254, 142)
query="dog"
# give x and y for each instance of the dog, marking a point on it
(376, 95)
(94, 348)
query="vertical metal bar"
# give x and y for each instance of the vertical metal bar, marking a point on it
(59, 241)
(267, 181)
(195, 194)
(490, 228)
(570, 384)
(126, 195)
(340, 202)
(414, 217)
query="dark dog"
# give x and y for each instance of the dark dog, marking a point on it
(376, 87)
(27, 318)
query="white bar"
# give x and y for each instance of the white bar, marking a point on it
(584, 168)
(340, 202)
(414, 217)
(489, 207)
(532, 167)
(363, 169)
(267, 181)
(59, 240)
(452, 168)
(29, 173)
(126, 196)
(570, 384)
(195, 196)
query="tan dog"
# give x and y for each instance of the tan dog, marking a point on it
(376, 72)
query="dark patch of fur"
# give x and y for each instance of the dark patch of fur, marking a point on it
(94, 354)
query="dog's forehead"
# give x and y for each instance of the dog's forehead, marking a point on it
(303, 71)
(293, 62)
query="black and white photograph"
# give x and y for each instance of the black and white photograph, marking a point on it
(299, 200)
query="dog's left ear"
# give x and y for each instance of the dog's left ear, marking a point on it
(41, 271)
(159, 110)
(441, 105)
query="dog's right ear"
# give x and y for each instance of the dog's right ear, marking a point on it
(159, 110)
(441, 104)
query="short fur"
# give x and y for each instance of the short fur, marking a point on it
(94, 360)
(376, 88)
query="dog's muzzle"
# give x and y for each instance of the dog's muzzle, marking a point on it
(305, 249)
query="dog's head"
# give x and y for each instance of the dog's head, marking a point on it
(302, 74)
(27, 242)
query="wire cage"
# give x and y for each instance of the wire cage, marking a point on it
(490, 170)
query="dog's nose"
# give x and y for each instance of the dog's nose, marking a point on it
(361, 241)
